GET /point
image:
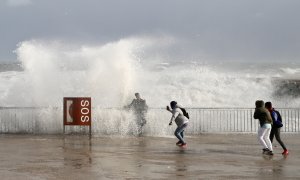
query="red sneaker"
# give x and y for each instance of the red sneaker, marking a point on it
(184, 145)
(285, 152)
(178, 143)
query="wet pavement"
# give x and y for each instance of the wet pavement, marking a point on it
(209, 156)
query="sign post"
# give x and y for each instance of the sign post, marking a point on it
(77, 112)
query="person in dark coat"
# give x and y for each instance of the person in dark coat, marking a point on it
(140, 108)
(265, 121)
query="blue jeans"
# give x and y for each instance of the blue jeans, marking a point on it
(179, 132)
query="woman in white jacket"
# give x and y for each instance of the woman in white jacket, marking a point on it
(180, 120)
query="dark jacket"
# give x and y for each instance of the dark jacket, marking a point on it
(276, 117)
(262, 114)
(138, 105)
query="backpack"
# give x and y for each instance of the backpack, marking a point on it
(185, 113)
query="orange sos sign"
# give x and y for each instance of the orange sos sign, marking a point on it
(77, 111)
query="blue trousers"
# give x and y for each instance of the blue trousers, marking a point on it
(179, 132)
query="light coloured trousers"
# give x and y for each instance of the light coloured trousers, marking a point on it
(264, 138)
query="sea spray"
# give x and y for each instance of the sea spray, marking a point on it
(104, 73)
(111, 73)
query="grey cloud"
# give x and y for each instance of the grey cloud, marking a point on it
(221, 30)
(18, 2)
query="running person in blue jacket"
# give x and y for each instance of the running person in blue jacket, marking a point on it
(277, 124)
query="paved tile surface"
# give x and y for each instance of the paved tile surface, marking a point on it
(209, 156)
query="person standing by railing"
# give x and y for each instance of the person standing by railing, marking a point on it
(140, 109)
(277, 124)
(265, 121)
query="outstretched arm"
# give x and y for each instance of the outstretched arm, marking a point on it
(168, 109)
(173, 111)
(129, 105)
(173, 117)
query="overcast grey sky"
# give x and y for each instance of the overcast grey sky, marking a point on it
(246, 30)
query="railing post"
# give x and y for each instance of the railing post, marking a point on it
(298, 121)
(251, 120)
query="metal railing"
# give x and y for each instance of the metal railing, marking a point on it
(238, 120)
(114, 120)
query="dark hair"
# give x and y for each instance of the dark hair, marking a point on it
(259, 103)
(268, 105)
(173, 104)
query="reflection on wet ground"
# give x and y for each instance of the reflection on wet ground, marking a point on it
(207, 157)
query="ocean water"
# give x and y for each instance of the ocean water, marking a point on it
(111, 73)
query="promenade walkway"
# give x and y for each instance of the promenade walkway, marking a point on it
(208, 156)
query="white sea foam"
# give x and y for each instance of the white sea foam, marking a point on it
(112, 72)
(292, 71)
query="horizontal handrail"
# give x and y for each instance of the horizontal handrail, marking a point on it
(43, 107)
(117, 120)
